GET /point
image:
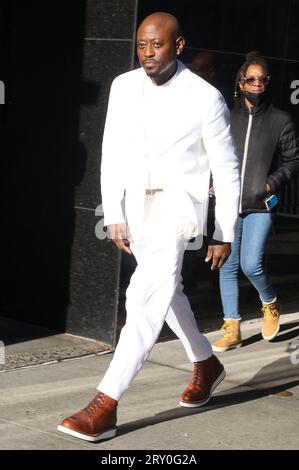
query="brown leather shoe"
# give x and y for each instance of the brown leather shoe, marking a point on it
(205, 378)
(95, 422)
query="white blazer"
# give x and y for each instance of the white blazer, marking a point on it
(196, 141)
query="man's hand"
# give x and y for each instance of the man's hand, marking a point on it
(219, 251)
(120, 235)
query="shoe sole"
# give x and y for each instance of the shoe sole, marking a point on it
(226, 348)
(87, 437)
(268, 338)
(201, 403)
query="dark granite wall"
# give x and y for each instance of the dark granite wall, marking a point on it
(108, 49)
(61, 57)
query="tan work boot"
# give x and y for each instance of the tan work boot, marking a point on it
(231, 338)
(206, 376)
(95, 422)
(271, 314)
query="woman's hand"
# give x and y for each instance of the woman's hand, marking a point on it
(267, 189)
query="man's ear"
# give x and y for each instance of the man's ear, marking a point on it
(180, 44)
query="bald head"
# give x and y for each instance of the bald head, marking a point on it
(203, 64)
(163, 20)
(158, 44)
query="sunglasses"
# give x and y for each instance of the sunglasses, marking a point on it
(252, 80)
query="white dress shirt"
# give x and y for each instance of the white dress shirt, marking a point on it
(156, 102)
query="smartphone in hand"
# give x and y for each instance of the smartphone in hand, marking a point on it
(271, 202)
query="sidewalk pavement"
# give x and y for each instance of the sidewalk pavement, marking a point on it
(255, 407)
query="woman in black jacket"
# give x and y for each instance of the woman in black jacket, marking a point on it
(268, 150)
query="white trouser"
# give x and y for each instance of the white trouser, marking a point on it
(155, 294)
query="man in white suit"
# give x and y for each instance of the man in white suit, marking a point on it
(166, 129)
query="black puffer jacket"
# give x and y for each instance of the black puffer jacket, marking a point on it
(266, 144)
